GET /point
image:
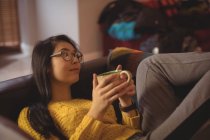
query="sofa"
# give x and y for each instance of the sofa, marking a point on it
(21, 91)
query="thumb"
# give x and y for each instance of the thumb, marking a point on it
(119, 67)
(95, 81)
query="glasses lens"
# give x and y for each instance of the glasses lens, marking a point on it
(79, 56)
(66, 55)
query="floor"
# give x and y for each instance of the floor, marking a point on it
(14, 65)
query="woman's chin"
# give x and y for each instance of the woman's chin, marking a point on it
(73, 80)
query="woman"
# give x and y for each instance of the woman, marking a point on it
(56, 66)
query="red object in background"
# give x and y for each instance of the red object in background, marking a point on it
(169, 6)
(203, 38)
(149, 3)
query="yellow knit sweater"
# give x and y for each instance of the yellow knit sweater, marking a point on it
(70, 117)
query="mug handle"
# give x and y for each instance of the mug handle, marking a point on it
(128, 74)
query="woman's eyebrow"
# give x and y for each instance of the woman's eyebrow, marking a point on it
(66, 49)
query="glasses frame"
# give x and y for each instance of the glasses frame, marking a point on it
(71, 56)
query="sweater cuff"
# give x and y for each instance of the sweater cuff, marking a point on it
(133, 121)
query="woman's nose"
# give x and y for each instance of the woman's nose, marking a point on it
(75, 60)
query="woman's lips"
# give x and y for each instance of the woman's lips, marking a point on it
(75, 70)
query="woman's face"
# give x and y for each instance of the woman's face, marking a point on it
(64, 71)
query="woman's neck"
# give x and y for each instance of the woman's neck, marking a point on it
(60, 92)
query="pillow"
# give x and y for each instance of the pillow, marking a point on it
(127, 57)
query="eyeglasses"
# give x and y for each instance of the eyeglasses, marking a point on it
(69, 56)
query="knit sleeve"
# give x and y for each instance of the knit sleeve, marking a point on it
(24, 124)
(133, 122)
(88, 129)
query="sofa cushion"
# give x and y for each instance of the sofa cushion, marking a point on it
(128, 58)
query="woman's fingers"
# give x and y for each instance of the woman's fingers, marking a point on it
(131, 92)
(112, 85)
(117, 90)
(116, 96)
(107, 80)
(118, 86)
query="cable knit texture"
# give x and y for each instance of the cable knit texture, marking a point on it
(70, 117)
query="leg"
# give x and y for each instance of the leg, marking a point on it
(189, 116)
(158, 75)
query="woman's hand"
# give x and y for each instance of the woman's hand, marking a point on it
(104, 93)
(125, 100)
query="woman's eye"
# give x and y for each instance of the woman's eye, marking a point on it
(66, 54)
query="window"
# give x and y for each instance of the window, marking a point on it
(9, 27)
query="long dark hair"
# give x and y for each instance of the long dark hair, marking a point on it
(38, 115)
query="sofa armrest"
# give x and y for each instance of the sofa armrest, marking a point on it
(15, 94)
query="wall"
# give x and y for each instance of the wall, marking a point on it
(28, 24)
(40, 19)
(57, 17)
(90, 36)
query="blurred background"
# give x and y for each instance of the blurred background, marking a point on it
(98, 26)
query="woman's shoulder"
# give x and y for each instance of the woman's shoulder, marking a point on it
(23, 113)
(23, 118)
(24, 124)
